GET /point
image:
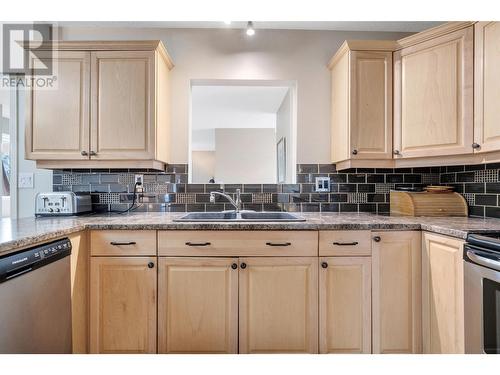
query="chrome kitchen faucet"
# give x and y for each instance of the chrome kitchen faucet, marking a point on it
(236, 203)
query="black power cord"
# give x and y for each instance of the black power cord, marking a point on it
(133, 206)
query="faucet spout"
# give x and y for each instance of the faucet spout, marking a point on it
(235, 202)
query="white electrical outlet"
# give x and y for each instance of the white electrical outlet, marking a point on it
(139, 179)
(25, 180)
(322, 184)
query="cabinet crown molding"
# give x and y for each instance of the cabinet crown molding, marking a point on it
(432, 33)
(106, 45)
(363, 45)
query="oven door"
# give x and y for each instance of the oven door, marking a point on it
(482, 301)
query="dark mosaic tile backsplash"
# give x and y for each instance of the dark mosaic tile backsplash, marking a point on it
(354, 190)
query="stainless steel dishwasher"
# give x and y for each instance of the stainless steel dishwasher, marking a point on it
(35, 299)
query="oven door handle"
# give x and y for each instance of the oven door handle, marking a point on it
(483, 261)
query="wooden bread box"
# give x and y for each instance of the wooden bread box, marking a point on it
(404, 203)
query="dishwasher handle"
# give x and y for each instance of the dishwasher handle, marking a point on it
(486, 262)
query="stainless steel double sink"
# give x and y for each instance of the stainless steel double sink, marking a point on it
(233, 216)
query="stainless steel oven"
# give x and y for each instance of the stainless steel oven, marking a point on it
(482, 293)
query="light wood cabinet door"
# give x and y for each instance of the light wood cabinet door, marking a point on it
(339, 137)
(370, 105)
(57, 119)
(486, 86)
(278, 305)
(123, 305)
(123, 89)
(396, 283)
(345, 305)
(198, 305)
(80, 291)
(442, 294)
(433, 92)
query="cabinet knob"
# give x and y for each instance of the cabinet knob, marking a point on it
(476, 146)
(84, 153)
(324, 264)
(376, 238)
(151, 265)
(396, 152)
(93, 153)
(234, 266)
(243, 266)
(354, 152)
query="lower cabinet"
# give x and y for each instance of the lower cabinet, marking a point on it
(334, 303)
(345, 305)
(396, 270)
(278, 305)
(123, 305)
(443, 294)
(197, 305)
(201, 300)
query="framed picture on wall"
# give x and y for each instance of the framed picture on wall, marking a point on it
(281, 160)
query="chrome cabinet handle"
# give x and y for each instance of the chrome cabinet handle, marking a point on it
(93, 153)
(198, 243)
(396, 152)
(123, 243)
(278, 244)
(483, 261)
(84, 153)
(476, 145)
(345, 243)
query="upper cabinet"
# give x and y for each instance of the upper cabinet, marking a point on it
(58, 121)
(442, 108)
(123, 101)
(487, 83)
(433, 94)
(361, 122)
(109, 109)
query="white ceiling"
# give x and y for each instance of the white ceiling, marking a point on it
(393, 26)
(238, 107)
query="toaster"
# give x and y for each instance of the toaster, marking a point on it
(64, 203)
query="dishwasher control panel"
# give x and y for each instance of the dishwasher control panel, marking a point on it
(16, 264)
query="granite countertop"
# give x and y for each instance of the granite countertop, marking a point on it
(19, 233)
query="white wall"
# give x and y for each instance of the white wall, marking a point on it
(204, 124)
(245, 156)
(229, 54)
(203, 166)
(284, 129)
(42, 178)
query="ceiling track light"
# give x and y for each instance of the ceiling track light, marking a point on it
(250, 30)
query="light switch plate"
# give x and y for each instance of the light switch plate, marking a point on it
(25, 180)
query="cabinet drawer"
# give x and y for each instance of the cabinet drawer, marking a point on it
(345, 243)
(237, 243)
(122, 242)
